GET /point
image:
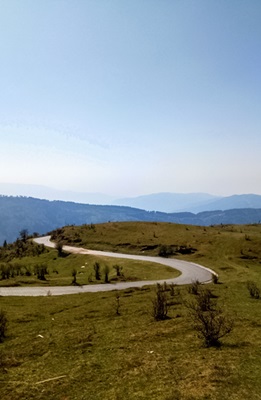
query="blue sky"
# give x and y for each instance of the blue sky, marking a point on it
(130, 97)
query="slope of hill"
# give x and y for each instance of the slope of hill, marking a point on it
(35, 215)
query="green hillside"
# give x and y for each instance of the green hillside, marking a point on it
(108, 346)
(228, 249)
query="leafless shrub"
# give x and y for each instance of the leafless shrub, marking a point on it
(97, 272)
(106, 271)
(74, 276)
(118, 270)
(59, 248)
(160, 304)
(194, 287)
(41, 270)
(3, 325)
(117, 303)
(208, 320)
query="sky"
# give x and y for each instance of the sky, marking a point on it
(131, 97)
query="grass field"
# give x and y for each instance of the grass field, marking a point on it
(60, 270)
(77, 347)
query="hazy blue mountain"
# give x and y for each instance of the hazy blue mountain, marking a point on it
(190, 202)
(230, 202)
(163, 202)
(42, 216)
(167, 202)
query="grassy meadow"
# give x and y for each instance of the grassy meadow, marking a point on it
(108, 346)
(59, 270)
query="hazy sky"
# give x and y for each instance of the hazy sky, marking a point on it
(130, 97)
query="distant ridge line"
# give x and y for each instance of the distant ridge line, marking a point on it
(42, 216)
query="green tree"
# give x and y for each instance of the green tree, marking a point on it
(23, 235)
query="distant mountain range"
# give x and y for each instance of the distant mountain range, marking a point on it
(168, 202)
(36, 215)
(191, 202)
(164, 202)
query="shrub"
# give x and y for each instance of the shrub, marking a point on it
(174, 290)
(106, 273)
(41, 270)
(117, 303)
(172, 287)
(194, 287)
(118, 270)
(3, 325)
(97, 268)
(160, 304)
(254, 291)
(165, 251)
(23, 235)
(5, 271)
(74, 275)
(59, 248)
(209, 321)
(204, 300)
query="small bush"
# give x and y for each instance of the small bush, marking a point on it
(165, 251)
(254, 291)
(204, 300)
(3, 325)
(5, 271)
(117, 303)
(74, 276)
(160, 304)
(97, 271)
(172, 288)
(106, 274)
(59, 248)
(41, 270)
(209, 321)
(118, 270)
(165, 287)
(194, 287)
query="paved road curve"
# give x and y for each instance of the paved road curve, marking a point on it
(189, 272)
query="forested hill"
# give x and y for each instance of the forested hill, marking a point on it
(41, 216)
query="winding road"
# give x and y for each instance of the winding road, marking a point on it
(189, 273)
